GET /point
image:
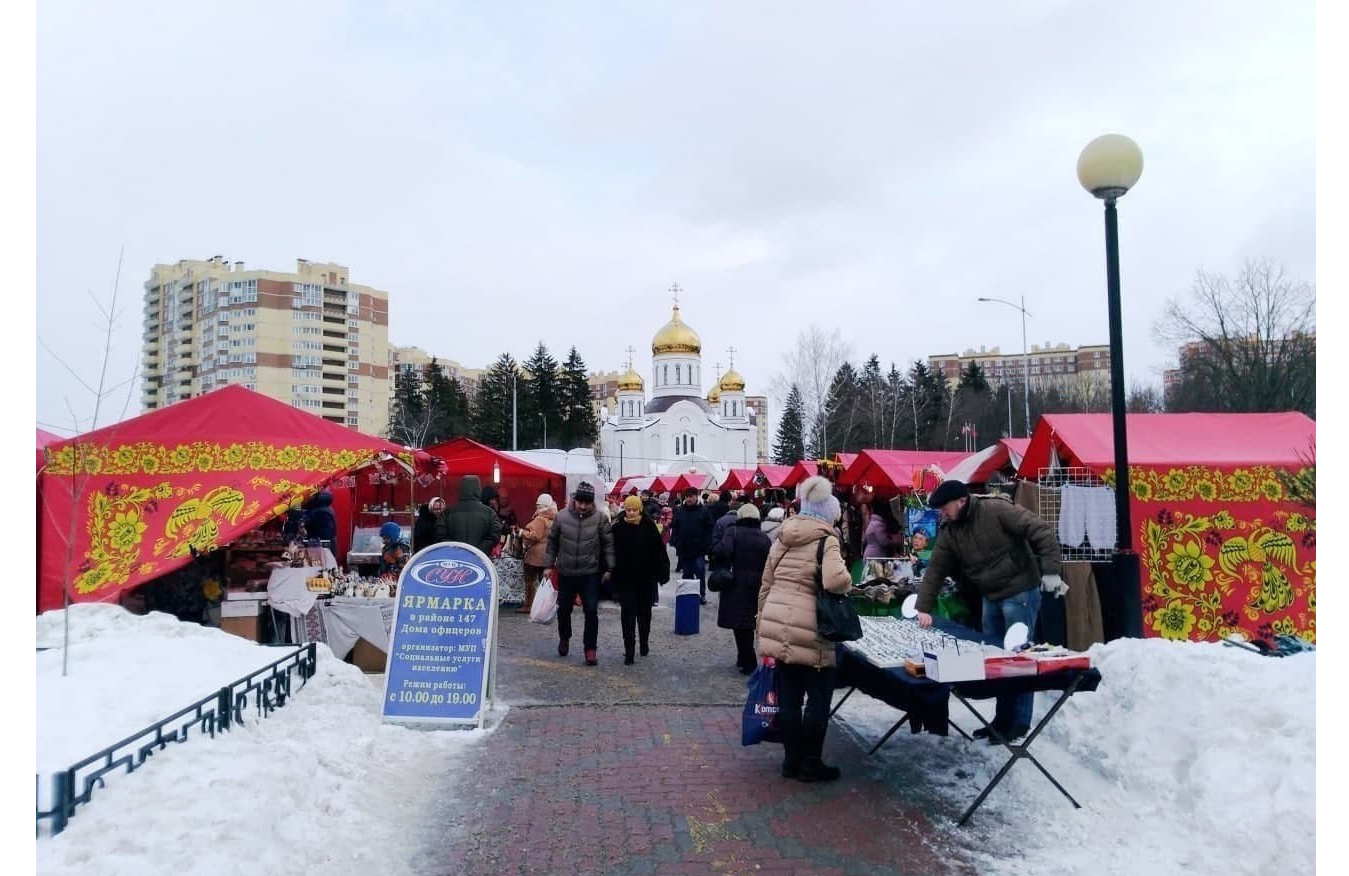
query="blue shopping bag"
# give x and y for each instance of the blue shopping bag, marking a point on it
(759, 722)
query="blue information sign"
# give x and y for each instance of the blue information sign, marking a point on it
(442, 644)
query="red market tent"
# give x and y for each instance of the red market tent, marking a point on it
(519, 482)
(773, 475)
(977, 468)
(697, 480)
(128, 503)
(738, 479)
(799, 473)
(898, 470)
(664, 483)
(43, 439)
(1221, 546)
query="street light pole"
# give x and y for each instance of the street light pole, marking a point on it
(620, 460)
(515, 442)
(1025, 359)
(1108, 167)
(544, 417)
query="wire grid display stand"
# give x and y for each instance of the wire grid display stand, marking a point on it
(1051, 483)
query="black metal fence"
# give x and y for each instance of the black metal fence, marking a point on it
(266, 689)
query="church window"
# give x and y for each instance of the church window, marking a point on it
(691, 447)
(666, 370)
(677, 374)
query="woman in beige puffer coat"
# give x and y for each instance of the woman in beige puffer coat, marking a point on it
(787, 627)
(535, 537)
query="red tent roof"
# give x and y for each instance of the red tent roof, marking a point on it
(664, 483)
(1226, 440)
(774, 475)
(43, 439)
(799, 473)
(464, 456)
(132, 501)
(896, 469)
(738, 479)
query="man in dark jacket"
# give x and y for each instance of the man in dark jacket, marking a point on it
(691, 536)
(719, 508)
(650, 507)
(470, 521)
(1008, 553)
(580, 548)
(319, 519)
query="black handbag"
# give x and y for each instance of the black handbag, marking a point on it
(836, 618)
(721, 578)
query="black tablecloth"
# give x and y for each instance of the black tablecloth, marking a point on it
(926, 700)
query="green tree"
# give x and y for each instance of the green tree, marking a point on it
(579, 427)
(446, 399)
(492, 406)
(790, 446)
(845, 414)
(927, 403)
(540, 400)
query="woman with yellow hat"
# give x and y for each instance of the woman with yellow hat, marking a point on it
(640, 564)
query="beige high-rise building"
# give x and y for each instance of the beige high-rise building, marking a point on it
(309, 338)
(759, 405)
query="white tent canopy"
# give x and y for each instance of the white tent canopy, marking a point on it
(574, 465)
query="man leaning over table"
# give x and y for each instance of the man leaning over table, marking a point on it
(1009, 554)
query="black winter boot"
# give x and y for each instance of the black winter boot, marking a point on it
(791, 761)
(813, 769)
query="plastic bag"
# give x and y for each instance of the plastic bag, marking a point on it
(545, 601)
(759, 722)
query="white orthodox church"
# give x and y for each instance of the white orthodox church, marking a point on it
(678, 430)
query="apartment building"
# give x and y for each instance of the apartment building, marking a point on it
(1049, 364)
(310, 338)
(1196, 353)
(402, 359)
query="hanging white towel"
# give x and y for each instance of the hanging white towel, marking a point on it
(1072, 516)
(1100, 517)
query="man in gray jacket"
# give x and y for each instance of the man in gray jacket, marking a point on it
(580, 549)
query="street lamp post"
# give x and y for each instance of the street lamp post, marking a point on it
(1025, 357)
(515, 442)
(1108, 167)
(620, 460)
(544, 417)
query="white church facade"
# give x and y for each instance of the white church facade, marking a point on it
(678, 430)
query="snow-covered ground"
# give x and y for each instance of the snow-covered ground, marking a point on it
(1189, 758)
(321, 785)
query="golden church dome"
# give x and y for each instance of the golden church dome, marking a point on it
(731, 381)
(714, 394)
(676, 337)
(630, 382)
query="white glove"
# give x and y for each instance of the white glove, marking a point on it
(1054, 585)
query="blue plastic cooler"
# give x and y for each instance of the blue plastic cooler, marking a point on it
(688, 599)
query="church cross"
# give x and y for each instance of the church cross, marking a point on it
(674, 291)
(731, 351)
(631, 351)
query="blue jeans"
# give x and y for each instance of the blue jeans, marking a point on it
(696, 567)
(1013, 710)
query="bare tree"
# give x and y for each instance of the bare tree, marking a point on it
(1245, 344)
(80, 471)
(1145, 398)
(811, 365)
(1089, 391)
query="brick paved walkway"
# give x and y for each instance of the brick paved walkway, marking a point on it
(620, 775)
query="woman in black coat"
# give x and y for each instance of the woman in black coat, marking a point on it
(745, 549)
(424, 530)
(640, 564)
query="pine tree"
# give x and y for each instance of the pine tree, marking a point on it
(492, 407)
(927, 407)
(540, 399)
(790, 446)
(844, 412)
(448, 404)
(579, 428)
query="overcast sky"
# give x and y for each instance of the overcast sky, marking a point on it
(520, 172)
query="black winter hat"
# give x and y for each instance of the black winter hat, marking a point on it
(948, 491)
(585, 492)
(489, 493)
